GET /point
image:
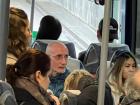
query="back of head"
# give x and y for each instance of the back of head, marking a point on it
(50, 28)
(113, 29)
(72, 80)
(17, 40)
(27, 65)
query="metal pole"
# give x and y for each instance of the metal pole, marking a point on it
(104, 50)
(4, 23)
(32, 14)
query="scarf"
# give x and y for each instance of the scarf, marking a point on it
(36, 91)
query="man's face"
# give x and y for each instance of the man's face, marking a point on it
(59, 57)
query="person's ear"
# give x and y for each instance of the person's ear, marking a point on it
(38, 76)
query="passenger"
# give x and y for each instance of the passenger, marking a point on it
(81, 89)
(112, 47)
(29, 77)
(132, 90)
(19, 34)
(58, 53)
(71, 82)
(123, 65)
(50, 28)
(113, 30)
(113, 34)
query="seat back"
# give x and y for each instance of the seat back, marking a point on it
(92, 55)
(112, 47)
(7, 96)
(91, 59)
(42, 45)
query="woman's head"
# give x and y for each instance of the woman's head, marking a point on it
(123, 65)
(50, 28)
(19, 31)
(33, 64)
(72, 81)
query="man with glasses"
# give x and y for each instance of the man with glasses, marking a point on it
(58, 53)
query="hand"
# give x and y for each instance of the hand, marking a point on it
(55, 99)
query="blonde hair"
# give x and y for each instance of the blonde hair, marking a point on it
(72, 80)
(132, 86)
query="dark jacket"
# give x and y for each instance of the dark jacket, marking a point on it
(129, 101)
(57, 83)
(23, 97)
(89, 93)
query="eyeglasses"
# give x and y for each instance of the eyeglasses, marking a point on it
(60, 57)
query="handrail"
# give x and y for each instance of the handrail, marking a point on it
(4, 22)
(32, 14)
(104, 50)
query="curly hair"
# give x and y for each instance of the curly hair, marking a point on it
(17, 40)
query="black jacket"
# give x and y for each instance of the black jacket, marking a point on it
(89, 96)
(23, 97)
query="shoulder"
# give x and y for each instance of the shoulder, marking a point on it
(25, 98)
(11, 59)
(90, 93)
(88, 96)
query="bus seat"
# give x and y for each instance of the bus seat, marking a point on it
(112, 47)
(42, 44)
(74, 64)
(91, 60)
(7, 96)
(92, 55)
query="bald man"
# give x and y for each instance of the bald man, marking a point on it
(58, 53)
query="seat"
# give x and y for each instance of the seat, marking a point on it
(7, 96)
(112, 47)
(91, 60)
(42, 44)
(92, 55)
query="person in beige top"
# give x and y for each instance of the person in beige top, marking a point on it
(19, 34)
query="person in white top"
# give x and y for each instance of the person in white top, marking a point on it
(123, 65)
